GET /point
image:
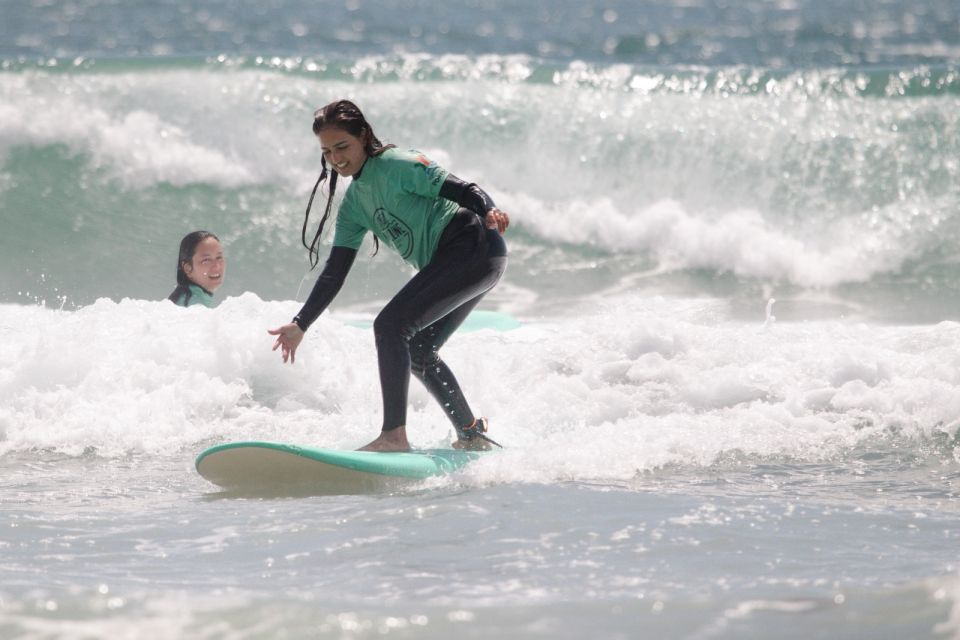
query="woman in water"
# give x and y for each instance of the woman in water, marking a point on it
(200, 269)
(447, 229)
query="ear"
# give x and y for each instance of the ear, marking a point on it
(187, 267)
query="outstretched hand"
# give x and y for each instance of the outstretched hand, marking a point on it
(288, 339)
(496, 219)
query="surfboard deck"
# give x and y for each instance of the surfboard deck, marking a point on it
(274, 468)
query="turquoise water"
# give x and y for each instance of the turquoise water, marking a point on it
(730, 408)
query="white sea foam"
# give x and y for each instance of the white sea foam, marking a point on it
(742, 241)
(635, 386)
(175, 127)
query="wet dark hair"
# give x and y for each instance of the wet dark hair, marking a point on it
(188, 247)
(340, 114)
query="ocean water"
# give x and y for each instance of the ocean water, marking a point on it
(732, 409)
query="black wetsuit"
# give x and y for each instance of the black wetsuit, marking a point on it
(409, 331)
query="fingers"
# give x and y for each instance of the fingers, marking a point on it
(284, 348)
(282, 344)
(288, 337)
(498, 220)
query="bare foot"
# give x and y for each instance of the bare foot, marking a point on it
(393, 440)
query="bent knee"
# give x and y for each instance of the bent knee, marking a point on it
(386, 324)
(389, 326)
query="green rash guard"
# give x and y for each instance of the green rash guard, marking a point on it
(198, 295)
(397, 197)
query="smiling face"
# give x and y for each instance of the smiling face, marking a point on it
(208, 266)
(344, 152)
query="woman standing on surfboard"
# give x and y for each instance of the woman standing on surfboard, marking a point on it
(446, 228)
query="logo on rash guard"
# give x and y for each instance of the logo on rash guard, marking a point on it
(396, 230)
(430, 167)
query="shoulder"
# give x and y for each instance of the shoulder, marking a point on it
(405, 171)
(402, 158)
(199, 296)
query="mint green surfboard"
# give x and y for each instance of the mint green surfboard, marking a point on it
(476, 321)
(272, 468)
(480, 319)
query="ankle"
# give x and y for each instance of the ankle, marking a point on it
(478, 427)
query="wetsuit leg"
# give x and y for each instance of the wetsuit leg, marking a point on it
(461, 271)
(436, 376)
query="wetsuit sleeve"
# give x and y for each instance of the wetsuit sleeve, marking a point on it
(467, 195)
(327, 286)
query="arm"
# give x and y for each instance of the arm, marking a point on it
(467, 195)
(327, 286)
(470, 196)
(324, 291)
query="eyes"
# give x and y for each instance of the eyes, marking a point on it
(341, 146)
